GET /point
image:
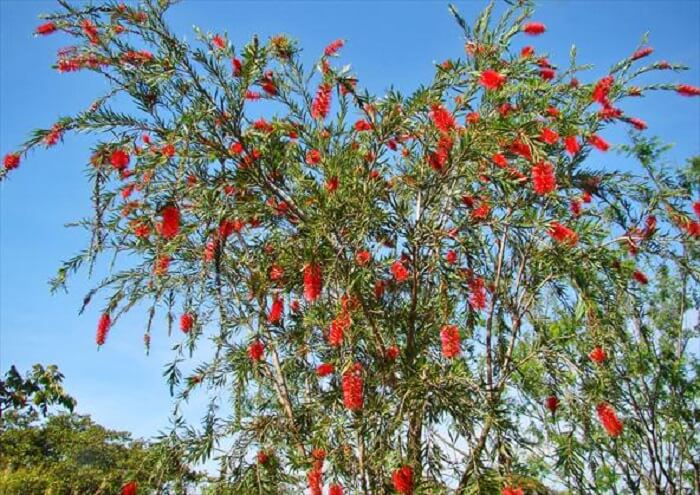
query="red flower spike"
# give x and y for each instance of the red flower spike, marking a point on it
(219, 42)
(534, 28)
(103, 326)
(275, 315)
(186, 322)
(335, 490)
(130, 488)
(598, 355)
(491, 80)
(477, 294)
(256, 351)
(642, 52)
(312, 282)
(363, 257)
(402, 479)
(276, 272)
(315, 480)
(11, 161)
(392, 353)
(325, 369)
(543, 179)
(547, 73)
(511, 490)
(598, 142)
(313, 157)
(442, 118)
(262, 457)
(362, 125)
(450, 339)
(499, 160)
(640, 277)
(332, 49)
(552, 403)
(170, 226)
(322, 102)
(527, 52)
(399, 271)
(608, 418)
(119, 159)
(46, 28)
(562, 234)
(687, 90)
(696, 208)
(353, 384)
(572, 145)
(549, 136)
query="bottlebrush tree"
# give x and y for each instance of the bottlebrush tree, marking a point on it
(432, 293)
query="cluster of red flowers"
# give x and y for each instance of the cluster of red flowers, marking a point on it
(339, 325)
(449, 336)
(442, 118)
(130, 488)
(477, 294)
(103, 328)
(552, 403)
(322, 102)
(402, 478)
(492, 80)
(353, 385)
(399, 271)
(11, 161)
(186, 322)
(169, 227)
(325, 369)
(543, 179)
(609, 420)
(512, 490)
(562, 234)
(256, 350)
(313, 281)
(275, 314)
(598, 355)
(333, 48)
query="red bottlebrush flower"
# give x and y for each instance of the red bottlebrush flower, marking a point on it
(638, 124)
(228, 227)
(235, 149)
(640, 277)
(332, 184)
(119, 159)
(608, 418)
(551, 403)
(170, 226)
(575, 207)
(449, 336)
(511, 490)
(318, 454)
(276, 272)
(363, 257)
(269, 87)
(392, 353)
(399, 271)
(598, 355)
(553, 112)
(517, 147)
(252, 95)
(543, 179)
(562, 234)
(547, 73)
(53, 136)
(325, 369)
(90, 30)
(572, 145)
(313, 157)
(481, 212)
(312, 282)
(490, 79)
(598, 142)
(127, 191)
(534, 28)
(219, 42)
(333, 48)
(642, 52)
(549, 136)
(322, 102)
(161, 265)
(140, 229)
(130, 488)
(602, 89)
(103, 328)
(46, 28)
(11, 161)
(336, 333)
(262, 457)
(256, 350)
(353, 384)
(362, 125)
(477, 294)
(586, 197)
(315, 480)
(402, 479)
(696, 208)
(687, 90)
(237, 67)
(168, 150)
(442, 118)
(527, 52)
(499, 160)
(335, 490)
(186, 322)
(451, 257)
(294, 305)
(610, 113)
(473, 117)
(276, 310)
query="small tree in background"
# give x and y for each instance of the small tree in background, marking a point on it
(410, 294)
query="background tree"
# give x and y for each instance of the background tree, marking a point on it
(388, 286)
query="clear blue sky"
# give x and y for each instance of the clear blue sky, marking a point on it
(388, 42)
